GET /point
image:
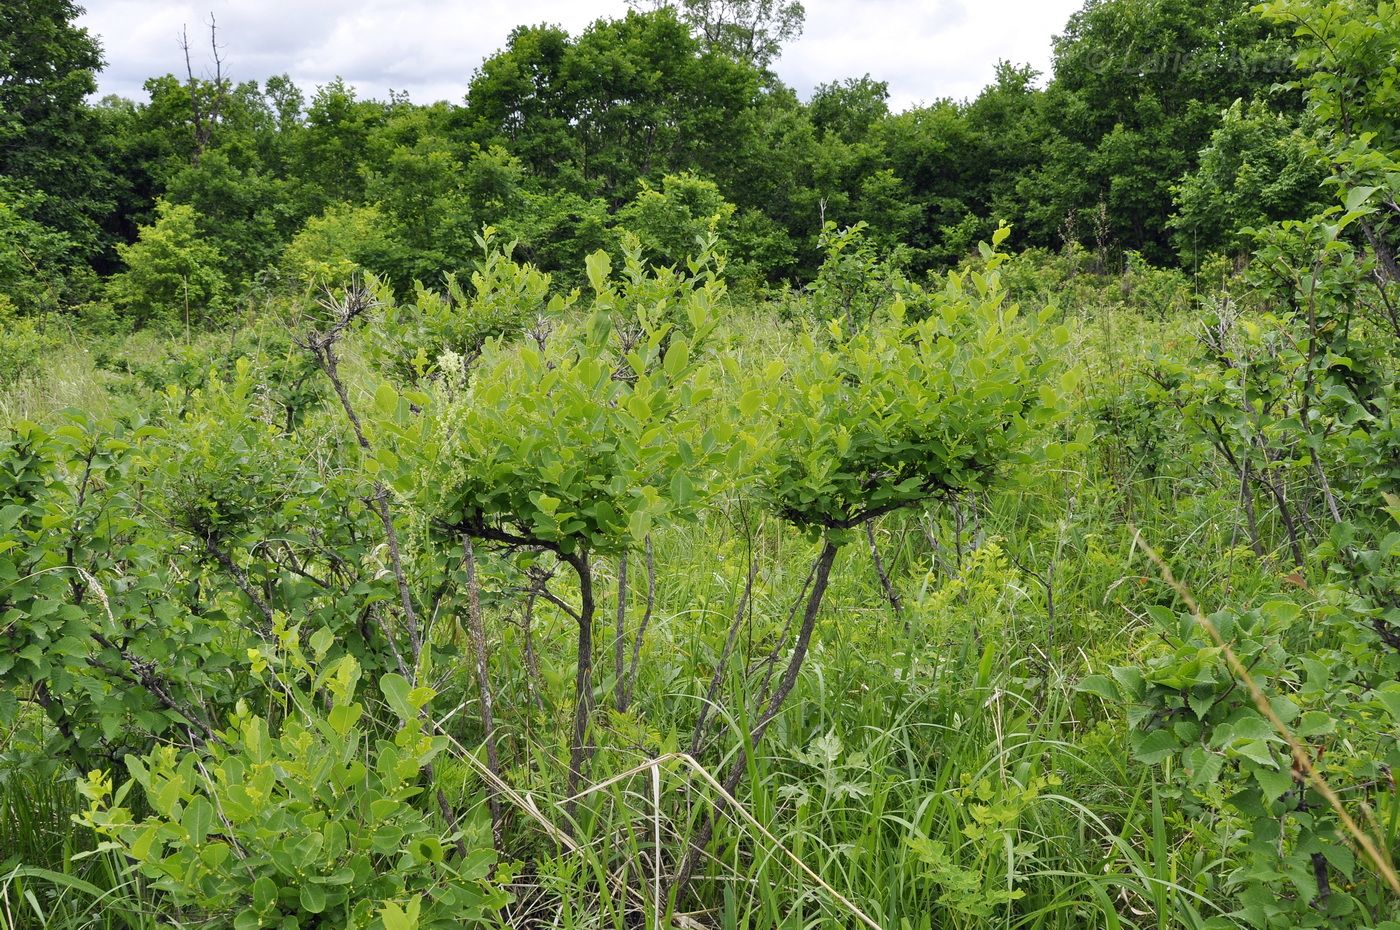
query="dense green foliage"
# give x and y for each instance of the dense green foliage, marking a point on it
(562, 141)
(639, 498)
(47, 129)
(170, 268)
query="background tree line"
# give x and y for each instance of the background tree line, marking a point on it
(667, 120)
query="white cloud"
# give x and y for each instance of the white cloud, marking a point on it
(925, 49)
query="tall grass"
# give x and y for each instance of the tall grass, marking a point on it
(52, 873)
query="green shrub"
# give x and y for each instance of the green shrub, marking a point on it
(576, 442)
(33, 258)
(760, 251)
(171, 273)
(311, 823)
(675, 221)
(343, 241)
(898, 411)
(558, 230)
(855, 281)
(441, 333)
(24, 342)
(1258, 168)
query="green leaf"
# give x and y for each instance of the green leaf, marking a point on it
(398, 918)
(198, 818)
(1358, 196)
(1100, 685)
(264, 894)
(397, 692)
(682, 491)
(1152, 748)
(1285, 613)
(313, 898)
(1249, 803)
(477, 865)
(1340, 858)
(639, 524)
(677, 357)
(1273, 783)
(1316, 723)
(1130, 679)
(386, 399)
(1201, 700)
(1389, 696)
(599, 267)
(1205, 766)
(141, 847)
(321, 642)
(343, 717)
(1255, 751)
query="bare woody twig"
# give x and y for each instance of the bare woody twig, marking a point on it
(821, 575)
(641, 630)
(579, 749)
(356, 303)
(718, 677)
(619, 636)
(891, 594)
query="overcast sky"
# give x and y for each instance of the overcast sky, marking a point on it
(925, 49)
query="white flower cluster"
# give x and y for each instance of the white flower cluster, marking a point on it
(453, 368)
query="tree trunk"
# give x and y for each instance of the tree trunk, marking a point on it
(579, 751)
(477, 629)
(620, 637)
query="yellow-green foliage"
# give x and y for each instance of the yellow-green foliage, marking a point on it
(979, 596)
(331, 248)
(171, 273)
(24, 342)
(675, 221)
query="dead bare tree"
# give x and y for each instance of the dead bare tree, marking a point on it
(207, 97)
(749, 30)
